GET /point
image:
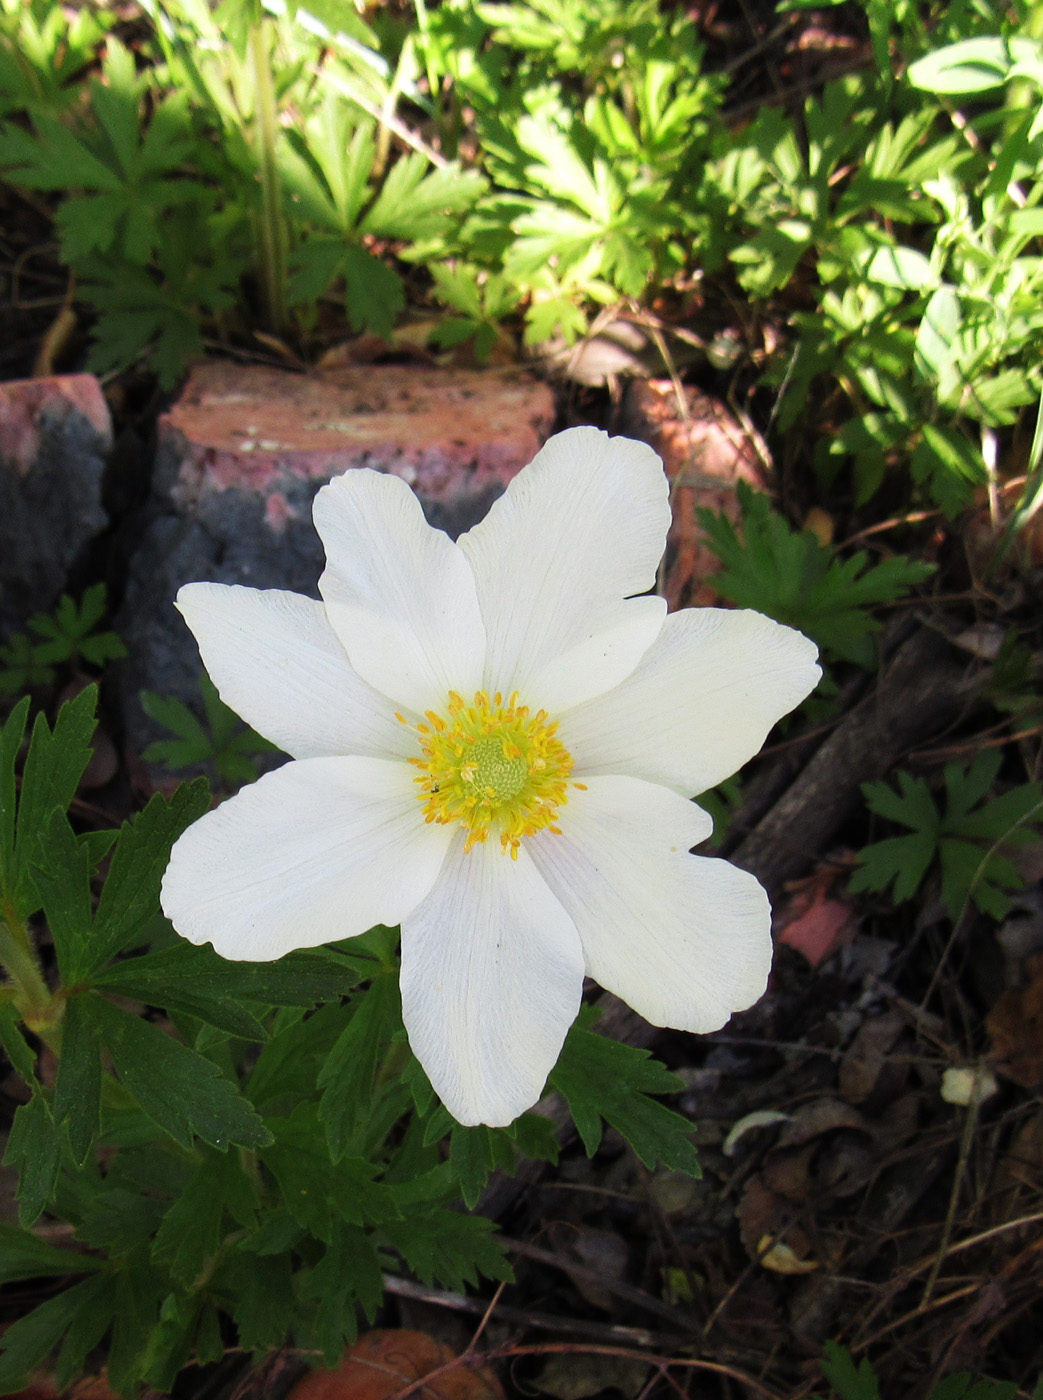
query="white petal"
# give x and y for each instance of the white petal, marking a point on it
(277, 662)
(699, 705)
(319, 850)
(578, 531)
(685, 940)
(492, 974)
(400, 595)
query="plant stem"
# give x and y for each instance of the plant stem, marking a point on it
(40, 1011)
(272, 226)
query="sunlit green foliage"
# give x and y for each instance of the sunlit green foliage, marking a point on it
(545, 159)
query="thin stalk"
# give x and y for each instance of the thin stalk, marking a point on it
(272, 238)
(40, 1011)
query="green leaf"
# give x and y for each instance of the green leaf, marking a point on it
(373, 292)
(69, 631)
(849, 1382)
(348, 1074)
(131, 893)
(53, 768)
(224, 740)
(197, 980)
(790, 576)
(951, 463)
(413, 205)
(962, 1386)
(62, 870)
(447, 1248)
(188, 1240)
(96, 1307)
(900, 267)
(474, 1153)
(604, 1080)
(347, 1276)
(140, 1291)
(28, 1342)
(968, 869)
(11, 735)
(258, 1293)
(316, 1191)
(16, 1048)
(25, 1255)
(972, 65)
(77, 1095)
(34, 1148)
(182, 1093)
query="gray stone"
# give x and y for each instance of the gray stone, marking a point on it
(55, 436)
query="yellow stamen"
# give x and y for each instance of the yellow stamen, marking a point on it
(490, 766)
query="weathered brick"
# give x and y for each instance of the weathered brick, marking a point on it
(706, 454)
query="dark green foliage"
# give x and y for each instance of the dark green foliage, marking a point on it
(605, 1080)
(967, 838)
(34, 1148)
(264, 1164)
(224, 742)
(851, 1382)
(63, 638)
(183, 1093)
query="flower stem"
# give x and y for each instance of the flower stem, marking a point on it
(39, 1009)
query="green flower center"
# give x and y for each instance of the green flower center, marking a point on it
(492, 766)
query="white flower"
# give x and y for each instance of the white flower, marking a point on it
(494, 745)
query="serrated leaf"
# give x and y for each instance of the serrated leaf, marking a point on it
(315, 266)
(475, 1153)
(179, 1090)
(414, 205)
(347, 1276)
(25, 1255)
(302, 978)
(605, 1080)
(191, 1233)
(53, 768)
(790, 576)
(52, 159)
(30, 1340)
(850, 1382)
(347, 1076)
(131, 893)
(903, 859)
(11, 734)
(316, 1191)
(77, 1095)
(444, 1247)
(140, 1290)
(16, 1048)
(61, 871)
(95, 1310)
(373, 292)
(260, 1298)
(967, 868)
(34, 1148)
